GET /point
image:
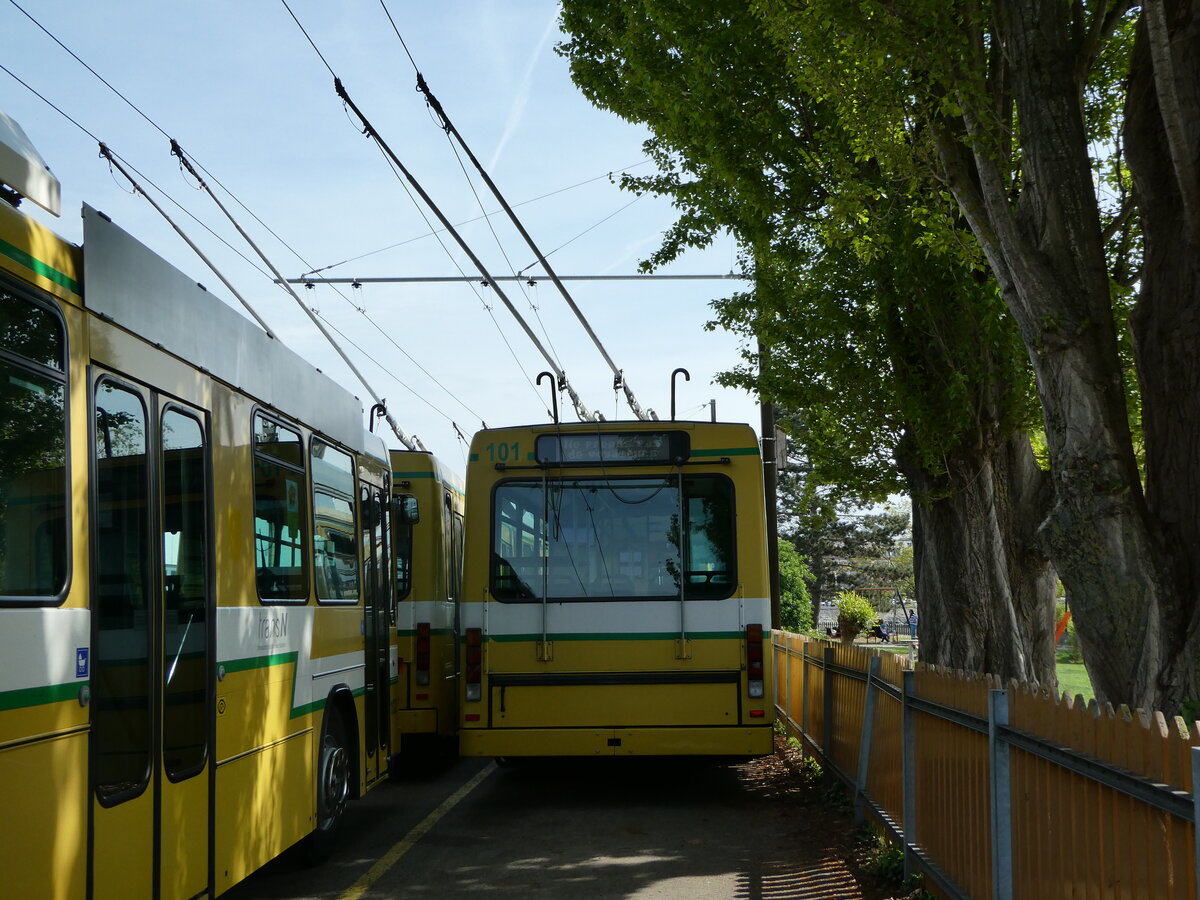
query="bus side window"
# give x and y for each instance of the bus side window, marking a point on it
(33, 487)
(280, 512)
(402, 543)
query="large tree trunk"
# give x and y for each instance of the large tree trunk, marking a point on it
(1166, 323)
(984, 587)
(1047, 254)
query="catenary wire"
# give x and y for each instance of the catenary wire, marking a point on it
(227, 191)
(421, 237)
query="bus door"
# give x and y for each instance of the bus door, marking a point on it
(151, 688)
(376, 630)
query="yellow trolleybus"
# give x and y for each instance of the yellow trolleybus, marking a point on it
(616, 600)
(428, 550)
(194, 581)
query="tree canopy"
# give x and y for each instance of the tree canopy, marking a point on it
(878, 321)
(1063, 136)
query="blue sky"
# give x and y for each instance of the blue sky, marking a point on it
(241, 89)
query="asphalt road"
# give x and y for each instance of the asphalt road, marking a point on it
(580, 829)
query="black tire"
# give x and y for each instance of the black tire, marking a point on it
(334, 772)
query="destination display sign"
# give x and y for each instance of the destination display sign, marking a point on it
(649, 447)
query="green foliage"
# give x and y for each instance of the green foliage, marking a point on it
(808, 766)
(795, 605)
(855, 610)
(844, 545)
(869, 294)
(884, 858)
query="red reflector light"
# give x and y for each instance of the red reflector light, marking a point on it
(757, 713)
(754, 632)
(472, 717)
(422, 629)
(754, 652)
(755, 671)
(422, 696)
(474, 663)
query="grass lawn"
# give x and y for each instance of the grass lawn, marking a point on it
(1073, 678)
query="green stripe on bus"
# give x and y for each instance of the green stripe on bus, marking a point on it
(36, 265)
(23, 698)
(412, 632)
(259, 662)
(730, 451)
(619, 636)
(411, 475)
(317, 705)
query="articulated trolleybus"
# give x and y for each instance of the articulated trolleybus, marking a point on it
(616, 598)
(195, 580)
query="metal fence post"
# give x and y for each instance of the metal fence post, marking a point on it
(1195, 754)
(787, 678)
(827, 725)
(1001, 797)
(805, 724)
(908, 762)
(864, 742)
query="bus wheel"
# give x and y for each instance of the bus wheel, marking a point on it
(333, 791)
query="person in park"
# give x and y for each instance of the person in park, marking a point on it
(912, 624)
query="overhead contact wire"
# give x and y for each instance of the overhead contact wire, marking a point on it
(111, 157)
(437, 231)
(487, 308)
(564, 384)
(618, 374)
(235, 198)
(516, 275)
(399, 432)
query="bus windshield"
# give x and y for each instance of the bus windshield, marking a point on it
(613, 538)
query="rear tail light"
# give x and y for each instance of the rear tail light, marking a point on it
(474, 672)
(422, 660)
(755, 686)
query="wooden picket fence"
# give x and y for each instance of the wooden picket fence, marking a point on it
(999, 791)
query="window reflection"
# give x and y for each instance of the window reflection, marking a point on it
(120, 687)
(33, 485)
(185, 594)
(598, 539)
(280, 512)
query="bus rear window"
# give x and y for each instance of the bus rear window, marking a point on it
(613, 539)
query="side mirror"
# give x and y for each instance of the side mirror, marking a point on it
(407, 509)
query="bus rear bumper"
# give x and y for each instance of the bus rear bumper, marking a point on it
(748, 741)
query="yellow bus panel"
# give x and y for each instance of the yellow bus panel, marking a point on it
(581, 705)
(43, 831)
(264, 805)
(500, 742)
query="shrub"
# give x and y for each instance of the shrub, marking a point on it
(855, 612)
